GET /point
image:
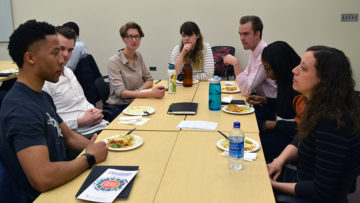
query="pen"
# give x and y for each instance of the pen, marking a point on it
(157, 82)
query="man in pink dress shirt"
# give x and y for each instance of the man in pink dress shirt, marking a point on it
(253, 77)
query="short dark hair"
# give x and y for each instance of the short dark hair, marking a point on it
(130, 25)
(24, 36)
(67, 32)
(256, 23)
(73, 26)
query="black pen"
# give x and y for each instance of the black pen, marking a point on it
(157, 82)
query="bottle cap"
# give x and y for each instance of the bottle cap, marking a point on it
(171, 66)
(236, 124)
(215, 80)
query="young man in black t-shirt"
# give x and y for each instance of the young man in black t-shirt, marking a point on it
(32, 135)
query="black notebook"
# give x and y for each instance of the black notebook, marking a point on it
(98, 170)
(240, 102)
(183, 108)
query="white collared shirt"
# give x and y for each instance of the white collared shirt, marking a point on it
(71, 102)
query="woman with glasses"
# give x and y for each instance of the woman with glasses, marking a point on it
(128, 74)
(193, 51)
(327, 146)
(275, 116)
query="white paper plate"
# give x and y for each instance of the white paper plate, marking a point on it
(257, 145)
(230, 92)
(178, 83)
(245, 112)
(137, 142)
(10, 71)
(139, 110)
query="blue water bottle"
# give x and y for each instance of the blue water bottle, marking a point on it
(215, 94)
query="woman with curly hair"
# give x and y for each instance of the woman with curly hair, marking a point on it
(327, 148)
(193, 51)
(276, 115)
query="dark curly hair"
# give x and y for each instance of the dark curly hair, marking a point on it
(195, 57)
(334, 95)
(24, 36)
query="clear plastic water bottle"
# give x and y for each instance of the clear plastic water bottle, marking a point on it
(236, 147)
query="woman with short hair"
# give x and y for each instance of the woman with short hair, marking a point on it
(128, 74)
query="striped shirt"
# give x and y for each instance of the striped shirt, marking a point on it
(326, 160)
(207, 70)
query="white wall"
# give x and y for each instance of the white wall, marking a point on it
(300, 23)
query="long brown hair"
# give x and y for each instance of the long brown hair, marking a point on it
(196, 57)
(334, 96)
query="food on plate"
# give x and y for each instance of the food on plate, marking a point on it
(138, 110)
(229, 88)
(236, 108)
(120, 141)
(248, 145)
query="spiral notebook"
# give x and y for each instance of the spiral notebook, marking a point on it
(183, 108)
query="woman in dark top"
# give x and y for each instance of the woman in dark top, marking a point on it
(277, 131)
(327, 147)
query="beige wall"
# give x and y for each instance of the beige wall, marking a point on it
(300, 23)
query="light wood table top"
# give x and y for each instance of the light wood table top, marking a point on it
(5, 66)
(151, 157)
(197, 172)
(160, 120)
(225, 120)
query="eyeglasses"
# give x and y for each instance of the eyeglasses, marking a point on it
(267, 69)
(136, 37)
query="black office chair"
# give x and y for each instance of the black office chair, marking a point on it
(86, 73)
(103, 90)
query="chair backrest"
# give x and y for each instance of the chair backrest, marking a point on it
(86, 73)
(103, 88)
(220, 68)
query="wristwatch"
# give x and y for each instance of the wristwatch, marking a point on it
(90, 159)
(140, 89)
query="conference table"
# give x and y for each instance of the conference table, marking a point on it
(8, 67)
(177, 165)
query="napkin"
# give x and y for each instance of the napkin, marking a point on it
(248, 156)
(198, 125)
(146, 90)
(133, 120)
(228, 83)
(227, 99)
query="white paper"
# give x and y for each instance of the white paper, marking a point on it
(107, 186)
(227, 99)
(198, 125)
(248, 156)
